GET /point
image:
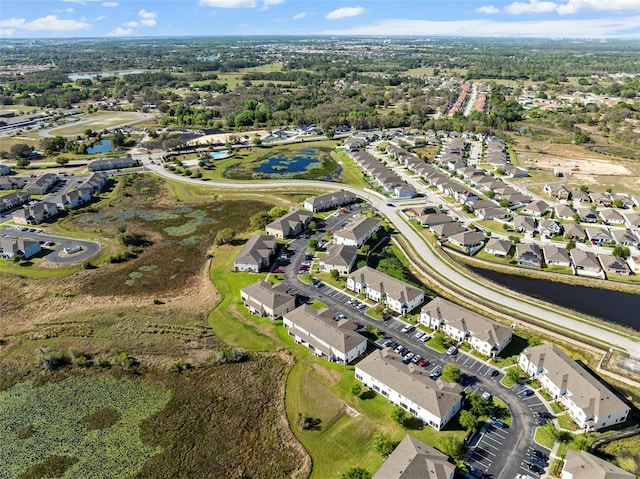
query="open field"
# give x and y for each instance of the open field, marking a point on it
(580, 164)
(98, 121)
(222, 138)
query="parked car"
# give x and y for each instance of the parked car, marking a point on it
(545, 415)
(527, 392)
(535, 468)
(494, 373)
(476, 472)
(537, 460)
(540, 454)
(418, 335)
(424, 362)
(416, 358)
(425, 338)
(408, 328)
(498, 423)
(398, 349)
(277, 270)
(452, 351)
(436, 373)
(486, 396)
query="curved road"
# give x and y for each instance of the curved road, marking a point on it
(448, 274)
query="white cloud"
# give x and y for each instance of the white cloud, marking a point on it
(131, 24)
(49, 23)
(300, 16)
(622, 26)
(12, 22)
(119, 31)
(100, 18)
(533, 6)
(345, 12)
(64, 10)
(147, 19)
(268, 3)
(229, 3)
(7, 32)
(110, 4)
(147, 15)
(618, 6)
(489, 9)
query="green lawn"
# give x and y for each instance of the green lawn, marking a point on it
(321, 390)
(565, 422)
(229, 319)
(543, 438)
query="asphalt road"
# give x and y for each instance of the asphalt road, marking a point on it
(501, 453)
(56, 253)
(533, 308)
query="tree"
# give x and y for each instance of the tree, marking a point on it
(451, 373)
(20, 150)
(399, 416)
(468, 420)
(452, 447)
(313, 244)
(224, 236)
(513, 374)
(22, 163)
(335, 274)
(356, 389)
(477, 405)
(356, 473)
(620, 251)
(514, 239)
(584, 188)
(571, 245)
(61, 160)
(383, 444)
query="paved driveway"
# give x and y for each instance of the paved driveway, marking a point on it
(55, 253)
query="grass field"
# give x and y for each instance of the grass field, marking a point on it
(98, 121)
(623, 453)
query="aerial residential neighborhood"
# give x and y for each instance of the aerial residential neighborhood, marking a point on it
(388, 240)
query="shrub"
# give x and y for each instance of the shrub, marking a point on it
(383, 444)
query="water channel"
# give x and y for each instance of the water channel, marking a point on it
(611, 306)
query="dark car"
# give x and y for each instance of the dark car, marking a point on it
(494, 373)
(539, 454)
(535, 468)
(545, 415)
(537, 460)
(476, 472)
(527, 392)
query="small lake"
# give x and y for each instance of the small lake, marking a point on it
(302, 161)
(611, 306)
(103, 146)
(89, 76)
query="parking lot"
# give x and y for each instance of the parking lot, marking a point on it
(499, 452)
(53, 246)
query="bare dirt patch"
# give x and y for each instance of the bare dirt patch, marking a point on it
(222, 138)
(574, 166)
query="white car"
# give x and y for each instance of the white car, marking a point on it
(418, 335)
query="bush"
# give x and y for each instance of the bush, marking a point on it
(356, 473)
(383, 444)
(51, 360)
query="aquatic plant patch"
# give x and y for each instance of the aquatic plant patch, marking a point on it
(76, 428)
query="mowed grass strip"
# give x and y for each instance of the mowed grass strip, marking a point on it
(230, 319)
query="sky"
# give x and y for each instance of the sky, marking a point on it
(485, 18)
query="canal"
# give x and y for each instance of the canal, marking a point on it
(611, 306)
